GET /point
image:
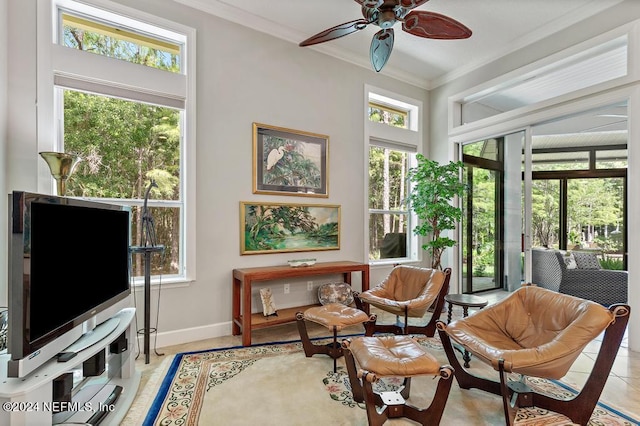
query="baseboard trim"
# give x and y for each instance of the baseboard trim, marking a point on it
(188, 335)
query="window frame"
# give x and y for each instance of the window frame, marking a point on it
(410, 217)
(61, 67)
(459, 130)
(401, 139)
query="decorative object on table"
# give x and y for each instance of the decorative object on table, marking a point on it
(335, 293)
(268, 302)
(61, 165)
(435, 187)
(281, 227)
(296, 263)
(385, 14)
(290, 162)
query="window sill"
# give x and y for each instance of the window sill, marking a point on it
(392, 262)
(173, 282)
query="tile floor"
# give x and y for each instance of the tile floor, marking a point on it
(622, 389)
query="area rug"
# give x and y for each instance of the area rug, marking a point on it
(275, 384)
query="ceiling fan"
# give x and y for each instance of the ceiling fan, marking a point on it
(385, 13)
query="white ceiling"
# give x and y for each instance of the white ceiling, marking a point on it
(499, 27)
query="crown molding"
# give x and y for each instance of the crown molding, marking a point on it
(225, 9)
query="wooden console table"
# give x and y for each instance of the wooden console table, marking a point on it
(244, 321)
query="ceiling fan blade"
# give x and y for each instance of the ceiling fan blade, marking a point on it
(411, 4)
(336, 32)
(434, 25)
(372, 4)
(381, 47)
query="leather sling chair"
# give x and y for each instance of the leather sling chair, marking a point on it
(408, 292)
(540, 333)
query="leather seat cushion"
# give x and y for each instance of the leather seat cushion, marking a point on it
(537, 332)
(335, 315)
(406, 286)
(399, 356)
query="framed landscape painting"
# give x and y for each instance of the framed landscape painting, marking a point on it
(283, 227)
(289, 162)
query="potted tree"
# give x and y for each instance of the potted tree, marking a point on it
(435, 186)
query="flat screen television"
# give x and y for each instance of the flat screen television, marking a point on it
(68, 261)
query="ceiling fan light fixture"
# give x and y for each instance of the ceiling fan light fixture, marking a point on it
(385, 13)
(381, 46)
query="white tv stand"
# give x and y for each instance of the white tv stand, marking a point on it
(28, 400)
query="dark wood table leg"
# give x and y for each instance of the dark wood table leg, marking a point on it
(365, 286)
(246, 312)
(235, 327)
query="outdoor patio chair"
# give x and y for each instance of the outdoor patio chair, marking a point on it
(584, 279)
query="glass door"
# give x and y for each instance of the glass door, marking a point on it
(482, 223)
(492, 240)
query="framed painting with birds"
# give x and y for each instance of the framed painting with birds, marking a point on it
(290, 162)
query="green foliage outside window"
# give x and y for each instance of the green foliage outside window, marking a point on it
(388, 188)
(131, 49)
(386, 115)
(123, 146)
(126, 144)
(595, 212)
(482, 196)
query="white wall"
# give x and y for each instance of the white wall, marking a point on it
(243, 76)
(441, 147)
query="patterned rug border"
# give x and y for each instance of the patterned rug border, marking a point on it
(175, 364)
(608, 407)
(156, 405)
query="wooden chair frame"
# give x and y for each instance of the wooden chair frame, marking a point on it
(362, 390)
(518, 394)
(333, 349)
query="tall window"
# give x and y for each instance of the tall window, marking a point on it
(392, 127)
(389, 218)
(120, 95)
